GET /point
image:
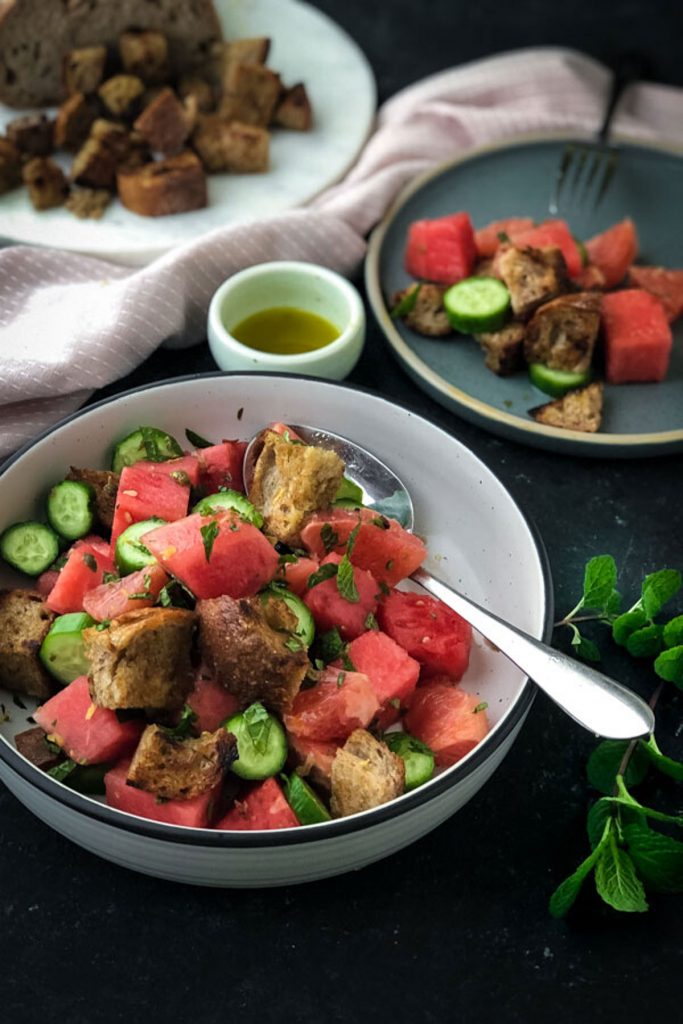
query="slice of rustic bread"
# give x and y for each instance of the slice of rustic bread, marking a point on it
(35, 35)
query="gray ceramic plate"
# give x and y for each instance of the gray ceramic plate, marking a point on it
(515, 180)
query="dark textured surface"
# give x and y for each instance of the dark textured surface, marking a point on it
(455, 927)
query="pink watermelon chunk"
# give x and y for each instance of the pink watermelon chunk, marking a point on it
(638, 337)
(295, 574)
(315, 757)
(487, 238)
(392, 672)
(329, 608)
(87, 734)
(437, 637)
(613, 251)
(441, 250)
(444, 718)
(666, 285)
(553, 234)
(221, 466)
(146, 489)
(211, 703)
(82, 572)
(339, 703)
(264, 807)
(194, 813)
(110, 600)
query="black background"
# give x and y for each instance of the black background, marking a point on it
(456, 926)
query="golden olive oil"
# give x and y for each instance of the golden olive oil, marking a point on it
(285, 331)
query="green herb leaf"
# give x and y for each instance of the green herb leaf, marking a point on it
(666, 765)
(293, 644)
(258, 723)
(346, 585)
(503, 237)
(164, 598)
(346, 661)
(599, 581)
(325, 572)
(598, 815)
(197, 440)
(566, 893)
(62, 770)
(480, 707)
(371, 622)
(184, 726)
(645, 642)
(605, 762)
(340, 679)
(329, 538)
(105, 624)
(616, 879)
(672, 634)
(406, 304)
(658, 858)
(351, 542)
(628, 623)
(110, 577)
(209, 532)
(90, 561)
(329, 645)
(658, 588)
(669, 665)
(583, 647)
(349, 491)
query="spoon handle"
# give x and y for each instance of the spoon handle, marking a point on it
(592, 699)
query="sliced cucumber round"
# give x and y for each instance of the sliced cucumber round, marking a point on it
(557, 382)
(229, 499)
(148, 443)
(305, 628)
(62, 651)
(308, 807)
(417, 757)
(29, 547)
(261, 743)
(70, 509)
(477, 305)
(130, 553)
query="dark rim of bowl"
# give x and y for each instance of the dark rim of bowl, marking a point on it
(285, 837)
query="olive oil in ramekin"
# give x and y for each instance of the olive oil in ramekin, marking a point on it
(285, 331)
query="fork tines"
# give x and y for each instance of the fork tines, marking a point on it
(584, 174)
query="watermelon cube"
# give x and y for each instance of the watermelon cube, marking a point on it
(184, 466)
(392, 672)
(221, 466)
(264, 807)
(441, 250)
(315, 757)
(552, 234)
(638, 337)
(330, 608)
(430, 632)
(487, 239)
(214, 555)
(667, 285)
(146, 489)
(613, 251)
(339, 703)
(194, 813)
(83, 571)
(295, 574)
(86, 733)
(444, 717)
(137, 590)
(211, 703)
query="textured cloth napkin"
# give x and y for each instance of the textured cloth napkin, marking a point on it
(70, 324)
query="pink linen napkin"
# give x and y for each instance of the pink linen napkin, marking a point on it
(70, 324)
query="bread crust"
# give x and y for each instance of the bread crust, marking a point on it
(180, 769)
(25, 621)
(365, 774)
(175, 185)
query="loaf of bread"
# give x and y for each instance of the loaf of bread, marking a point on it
(36, 34)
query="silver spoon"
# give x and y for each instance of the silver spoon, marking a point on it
(591, 698)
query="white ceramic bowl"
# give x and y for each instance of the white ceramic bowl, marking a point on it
(295, 284)
(478, 539)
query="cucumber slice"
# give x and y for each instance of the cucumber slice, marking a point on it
(349, 491)
(305, 629)
(70, 509)
(557, 382)
(308, 807)
(261, 743)
(130, 553)
(62, 651)
(230, 500)
(417, 757)
(148, 443)
(477, 305)
(29, 547)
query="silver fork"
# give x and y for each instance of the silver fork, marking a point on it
(586, 169)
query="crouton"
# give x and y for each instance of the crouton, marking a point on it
(562, 333)
(145, 54)
(33, 744)
(365, 774)
(164, 123)
(88, 203)
(10, 165)
(239, 51)
(251, 93)
(74, 120)
(83, 69)
(198, 88)
(577, 410)
(180, 769)
(142, 659)
(115, 137)
(532, 276)
(247, 655)
(32, 134)
(294, 110)
(103, 481)
(503, 349)
(24, 623)
(174, 185)
(121, 95)
(226, 145)
(47, 186)
(427, 316)
(94, 165)
(290, 481)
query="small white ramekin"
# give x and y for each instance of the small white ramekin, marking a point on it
(288, 283)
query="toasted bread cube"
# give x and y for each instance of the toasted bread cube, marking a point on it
(577, 410)
(94, 165)
(225, 145)
(503, 349)
(239, 51)
(248, 654)
(103, 481)
(10, 165)
(164, 124)
(145, 54)
(198, 88)
(294, 109)
(532, 276)
(122, 95)
(33, 744)
(47, 185)
(180, 769)
(74, 120)
(251, 93)
(24, 623)
(32, 134)
(115, 137)
(89, 203)
(142, 659)
(365, 774)
(290, 482)
(174, 185)
(428, 315)
(562, 333)
(83, 69)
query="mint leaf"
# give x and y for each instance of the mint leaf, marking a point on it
(62, 770)
(325, 572)
(583, 647)
(329, 646)
(658, 858)
(182, 729)
(346, 585)
(197, 440)
(258, 723)
(628, 623)
(645, 642)
(351, 542)
(406, 303)
(329, 538)
(565, 895)
(599, 581)
(349, 491)
(209, 532)
(616, 879)
(605, 762)
(672, 634)
(658, 588)
(669, 665)
(613, 604)
(598, 815)
(666, 765)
